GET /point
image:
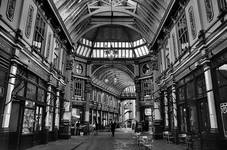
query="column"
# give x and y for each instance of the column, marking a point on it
(92, 117)
(210, 95)
(8, 102)
(88, 90)
(138, 95)
(57, 104)
(166, 110)
(48, 107)
(174, 105)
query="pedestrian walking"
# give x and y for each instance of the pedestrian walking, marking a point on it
(113, 126)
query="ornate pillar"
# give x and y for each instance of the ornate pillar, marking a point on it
(166, 109)
(48, 107)
(57, 104)
(8, 102)
(88, 90)
(210, 95)
(174, 105)
(138, 96)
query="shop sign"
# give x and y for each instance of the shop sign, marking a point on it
(80, 103)
(224, 117)
(1, 91)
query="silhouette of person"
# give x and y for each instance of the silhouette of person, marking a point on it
(113, 126)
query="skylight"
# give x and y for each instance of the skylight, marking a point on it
(91, 49)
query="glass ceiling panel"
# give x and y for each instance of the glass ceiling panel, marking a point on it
(116, 49)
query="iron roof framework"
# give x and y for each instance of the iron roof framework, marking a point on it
(143, 16)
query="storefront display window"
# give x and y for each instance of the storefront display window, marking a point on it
(193, 119)
(38, 118)
(28, 122)
(221, 73)
(204, 118)
(31, 91)
(183, 118)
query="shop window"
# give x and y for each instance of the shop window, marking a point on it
(203, 116)
(11, 9)
(222, 82)
(38, 118)
(192, 22)
(181, 94)
(182, 31)
(209, 10)
(51, 110)
(190, 90)
(28, 26)
(39, 33)
(28, 121)
(183, 118)
(221, 73)
(194, 125)
(200, 86)
(31, 91)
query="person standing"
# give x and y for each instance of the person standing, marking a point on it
(113, 126)
(77, 128)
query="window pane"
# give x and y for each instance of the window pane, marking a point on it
(28, 121)
(31, 91)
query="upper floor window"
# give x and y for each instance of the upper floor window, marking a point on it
(79, 88)
(79, 69)
(38, 41)
(182, 34)
(56, 58)
(11, 9)
(146, 88)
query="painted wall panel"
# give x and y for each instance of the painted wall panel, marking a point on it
(14, 22)
(29, 4)
(204, 17)
(193, 18)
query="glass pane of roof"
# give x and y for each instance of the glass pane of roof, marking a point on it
(112, 49)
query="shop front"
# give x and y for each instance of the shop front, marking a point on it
(219, 65)
(6, 51)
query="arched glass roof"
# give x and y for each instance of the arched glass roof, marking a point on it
(91, 49)
(145, 17)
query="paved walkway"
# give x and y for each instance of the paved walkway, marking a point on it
(104, 141)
